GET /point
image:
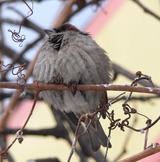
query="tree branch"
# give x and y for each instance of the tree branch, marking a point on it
(147, 10)
(147, 152)
(98, 87)
(57, 132)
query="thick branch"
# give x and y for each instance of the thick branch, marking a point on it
(149, 151)
(97, 87)
(65, 13)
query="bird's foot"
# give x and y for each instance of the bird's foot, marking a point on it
(73, 86)
(37, 85)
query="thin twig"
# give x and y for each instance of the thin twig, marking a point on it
(147, 10)
(127, 139)
(145, 128)
(20, 132)
(146, 134)
(75, 139)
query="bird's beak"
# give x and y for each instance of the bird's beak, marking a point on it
(49, 32)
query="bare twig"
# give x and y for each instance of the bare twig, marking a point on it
(147, 10)
(7, 51)
(19, 133)
(97, 87)
(56, 131)
(16, 37)
(127, 139)
(18, 57)
(149, 151)
(15, 97)
(145, 128)
(146, 134)
(77, 135)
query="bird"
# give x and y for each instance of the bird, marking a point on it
(71, 57)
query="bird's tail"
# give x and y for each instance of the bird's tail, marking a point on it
(97, 136)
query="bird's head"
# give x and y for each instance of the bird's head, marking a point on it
(62, 29)
(59, 34)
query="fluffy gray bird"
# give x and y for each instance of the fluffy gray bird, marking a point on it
(70, 56)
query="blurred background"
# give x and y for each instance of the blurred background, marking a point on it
(129, 30)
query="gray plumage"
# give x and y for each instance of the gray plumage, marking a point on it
(70, 56)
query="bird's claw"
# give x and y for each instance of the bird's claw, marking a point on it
(73, 86)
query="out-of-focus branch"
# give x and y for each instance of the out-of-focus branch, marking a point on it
(147, 10)
(7, 51)
(127, 139)
(26, 23)
(65, 13)
(1, 33)
(15, 97)
(119, 70)
(83, 4)
(20, 55)
(149, 151)
(45, 160)
(5, 95)
(56, 132)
